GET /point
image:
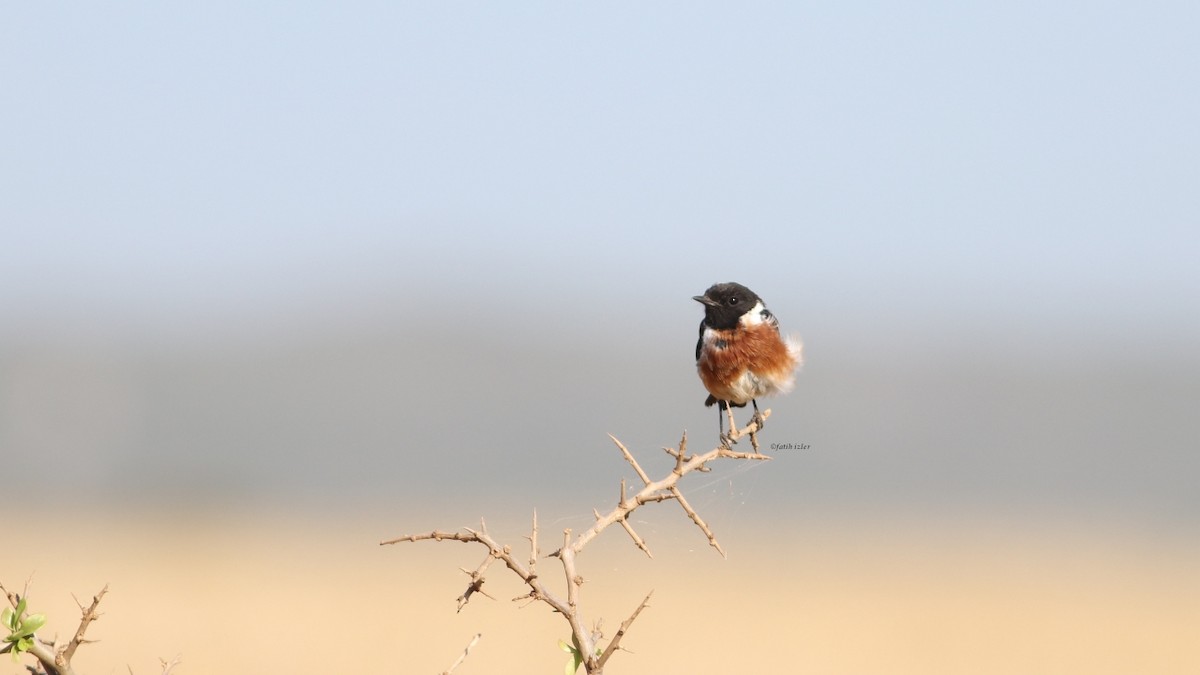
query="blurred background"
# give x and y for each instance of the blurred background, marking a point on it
(280, 281)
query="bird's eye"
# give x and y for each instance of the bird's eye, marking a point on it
(733, 301)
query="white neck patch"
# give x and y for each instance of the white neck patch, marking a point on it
(754, 316)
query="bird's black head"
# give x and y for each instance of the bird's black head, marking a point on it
(724, 304)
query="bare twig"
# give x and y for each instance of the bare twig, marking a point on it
(435, 535)
(463, 657)
(476, 585)
(13, 598)
(629, 458)
(501, 553)
(687, 508)
(616, 641)
(168, 666)
(533, 546)
(662, 489)
(652, 491)
(637, 539)
(89, 615)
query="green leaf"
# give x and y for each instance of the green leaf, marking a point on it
(33, 622)
(576, 657)
(9, 619)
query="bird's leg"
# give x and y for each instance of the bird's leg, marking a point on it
(757, 415)
(726, 438)
(758, 421)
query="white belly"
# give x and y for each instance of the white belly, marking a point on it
(751, 386)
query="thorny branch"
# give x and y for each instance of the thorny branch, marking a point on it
(53, 657)
(476, 585)
(168, 666)
(652, 491)
(89, 615)
(616, 641)
(463, 657)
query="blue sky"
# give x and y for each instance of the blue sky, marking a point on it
(170, 160)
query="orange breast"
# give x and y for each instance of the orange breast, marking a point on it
(758, 350)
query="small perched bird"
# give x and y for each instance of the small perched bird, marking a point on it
(741, 354)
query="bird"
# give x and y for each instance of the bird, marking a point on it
(741, 354)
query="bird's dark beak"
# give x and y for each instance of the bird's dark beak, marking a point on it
(705, 300)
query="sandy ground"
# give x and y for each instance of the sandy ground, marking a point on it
(315, 594)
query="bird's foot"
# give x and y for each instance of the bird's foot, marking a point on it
(727, 441)
(754, 443)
